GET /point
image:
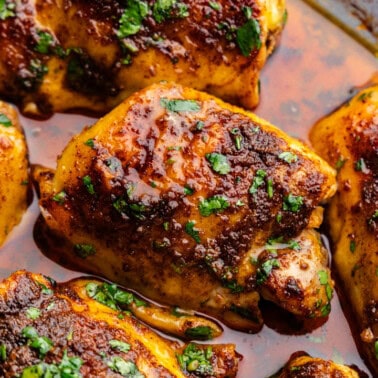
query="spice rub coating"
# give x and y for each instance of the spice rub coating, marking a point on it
(348, 140)
(61, 55)
(178, 195)
(46, 326)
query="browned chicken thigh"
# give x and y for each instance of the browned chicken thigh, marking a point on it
(77, 329)
(348, 140)
(60, 55)
(195, 203)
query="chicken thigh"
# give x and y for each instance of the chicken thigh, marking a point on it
(60, 55)
(77, 330)
(195, 203)
(13, 170)
(348, 140)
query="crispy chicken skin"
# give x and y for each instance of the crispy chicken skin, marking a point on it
(348, 140)
(302, 365)
(42, 321)
(13, 170)
(195, 203)
(60, 55)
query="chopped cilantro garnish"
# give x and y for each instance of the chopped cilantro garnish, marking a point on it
(45, 40)
(360, 165)
(166, 9)
(323, 277)
(110, 295)
(364, 96)
(199, 333)
(84, 250)
(125, 368)
(119, 345)
(179, 106)
(33, 313)
(279, 218)
(68, 368)
(340, 163)
(188, 191)
(288, 156)
(263, 272)
(257, 181)
(269, 188)
(132, 17)
(166, 226)
(87, 181)
(191, 231)
(3, 352)
(200, 125)
(41, 343)
(4, 120)
(60, 197)
(248, 37)
(292, 203)
(196, 360)
(215, 5)
(213, 205)
(352, 246)
(233, 286)
(89, 143)
(219, 163)
(7, 9)
(376, 349)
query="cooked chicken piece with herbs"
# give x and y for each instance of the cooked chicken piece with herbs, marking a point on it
(13, 171)
(60, 55)
(195, 203)
(302, 365)
(348, 140)
(78, 328)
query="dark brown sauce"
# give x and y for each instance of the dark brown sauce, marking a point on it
(309, 75)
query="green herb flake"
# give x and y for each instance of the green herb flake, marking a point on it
(292, 203)
(376, 349)
(5, 121)
(7, 9)
(219, 163)
(269, 188)
(200, 125)
(233, 286)
(213, 205)
(69, 336)
(215, 5)
(41, 343)
(195, 360)
(247, 12)
(44, 289)
(199, 333)
(340, 163)
(60, 197)
(264, 271)
(90, 143)
(352, 246)
(167, 9)
(248, 37)
(111, 296)
(238, 142)
(3, 352)
(132, 18)
(125, 368)
(119, 345)
(188, 191)
(87, 181)
(84, 250)
(288, 157)
(258, 180)
(33, 313)
(178, 106)
(323, 277)
(279, 218)
(44, 42)
(191, 231)
(360, 165)
(364, 96)
(166, 226)
(239, 203)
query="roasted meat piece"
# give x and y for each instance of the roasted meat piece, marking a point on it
(195, 203)
(47, 329)
(302, 365)
(348, 140)
(59, 55)
(13, 170)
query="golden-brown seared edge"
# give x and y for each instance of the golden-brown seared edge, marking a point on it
(83, 327)
(13, 170)
(84, 56)
(348, 140)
